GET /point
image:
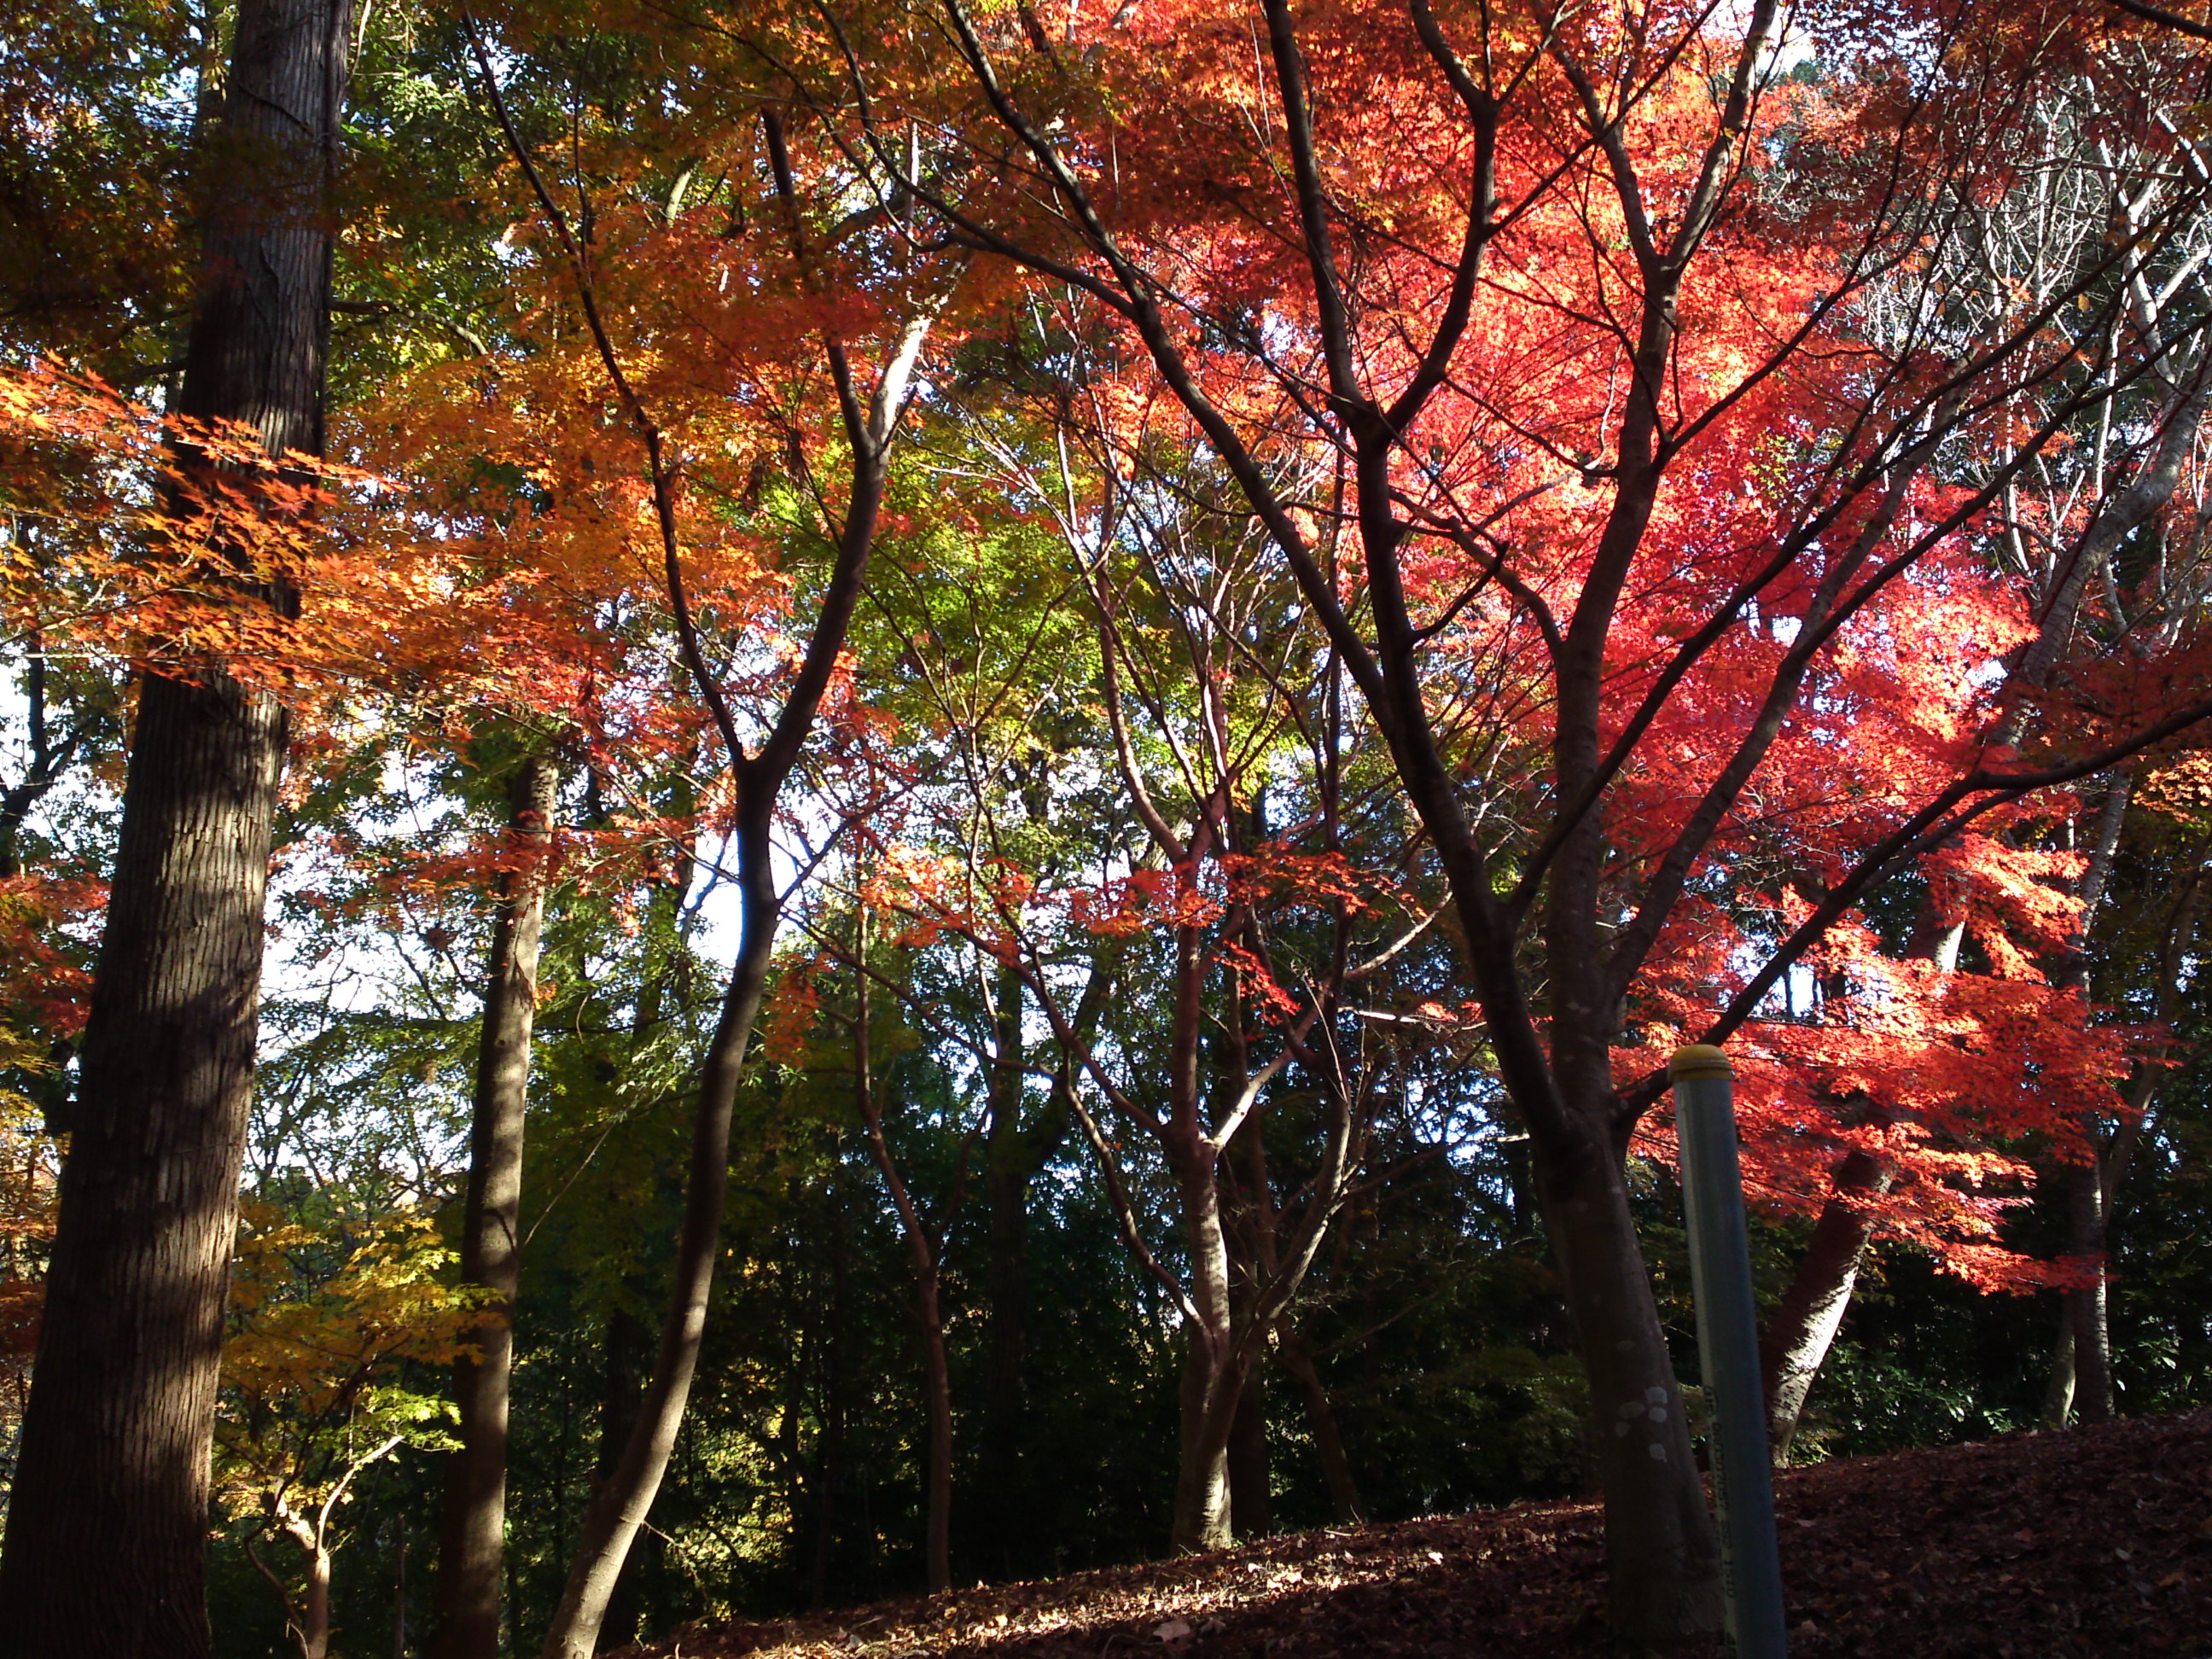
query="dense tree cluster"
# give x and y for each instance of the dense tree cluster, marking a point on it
(806, 800)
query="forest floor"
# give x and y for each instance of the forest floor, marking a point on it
(2093, 1542)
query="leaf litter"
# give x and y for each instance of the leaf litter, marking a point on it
(2094, 1543)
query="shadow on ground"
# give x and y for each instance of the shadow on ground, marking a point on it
(2094, 1543)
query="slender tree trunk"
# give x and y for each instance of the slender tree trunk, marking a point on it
(107, 1526)
(2081, 1360)
(1251, 1502)
(618, 1509)
(48, 760)
(829, 1462)
(1017, 1149)
(622, 1380)
(471, 1543)
(938, 1537)
(1803, 1326)
(1321, 1419)
(2058, 1391)
(937, 1480)
(1007, 1171)
(1211, 1376)
(308, 1621)
(1253, 1263)
(2086, 1308)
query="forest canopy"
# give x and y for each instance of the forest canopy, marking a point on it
(805, 801)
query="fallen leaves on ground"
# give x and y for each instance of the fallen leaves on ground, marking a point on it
(2095, 1543)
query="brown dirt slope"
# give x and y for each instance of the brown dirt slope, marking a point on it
(2095, 1542)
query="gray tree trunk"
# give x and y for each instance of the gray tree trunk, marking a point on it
(1803, 1326)
(1660, 1537)
(2087, 1308)
(1211, 1376)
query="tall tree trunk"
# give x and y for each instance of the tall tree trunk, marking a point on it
(621, 1382)
(1015, 1150)
(1321, 1419)
(619, 1506)
(1251, 1502)
(1252, 1262)
(314, 1630)
(107, 1526)
(1211, 1376)
(2081, 1360)
(2058, 1387)
(619, 1509)
(938, 1532)
(929, 1316)
(2086, 1308)
(1007, 1172)
(472, 1542)
(829, 1461)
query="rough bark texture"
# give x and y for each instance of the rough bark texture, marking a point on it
(471, 1543)
(108, 1520)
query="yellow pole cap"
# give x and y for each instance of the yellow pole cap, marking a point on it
(1698, 1060)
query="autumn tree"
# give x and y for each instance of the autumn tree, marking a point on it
(2112, 477)
(322, 1321)
(112, 1478)
(762, 722)
(1573, 306)
(1222, 873)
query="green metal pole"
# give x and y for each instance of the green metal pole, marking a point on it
(1727, 1340)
